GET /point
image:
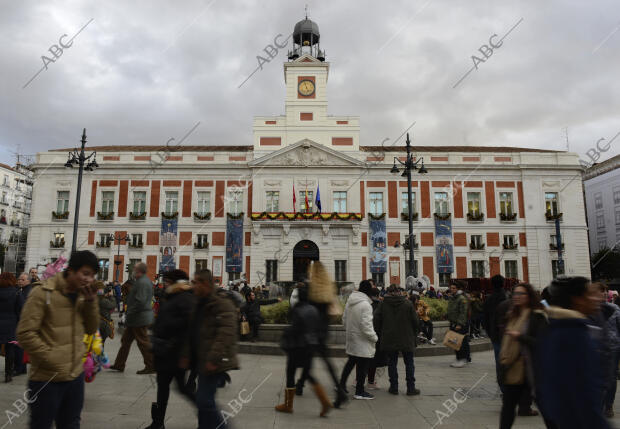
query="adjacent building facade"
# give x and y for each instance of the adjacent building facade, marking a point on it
(15, 201)
(602, 193)
(308, 189)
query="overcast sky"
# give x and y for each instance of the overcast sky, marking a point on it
(142, 72)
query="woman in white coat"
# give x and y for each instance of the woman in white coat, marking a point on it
(360, 338)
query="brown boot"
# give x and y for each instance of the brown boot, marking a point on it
(325, 402)
(289, 396)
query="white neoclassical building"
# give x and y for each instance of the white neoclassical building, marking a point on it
(254, 209)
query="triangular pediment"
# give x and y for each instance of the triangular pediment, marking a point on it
(306, 58)
(306, 153)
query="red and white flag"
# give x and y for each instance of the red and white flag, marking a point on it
(294, 199)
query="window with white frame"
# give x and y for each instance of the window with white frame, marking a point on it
(441, 203)
(107, 202)
(477, 269)
(201, 264)
(598, 201)
(136, 240)
(235, 201)
(105, 240)
(202, 240)
(405, 202)
(62, 202)
(473, 203)
(616, 194)
(102, 272)
(302, 201)
(476, 241)
(6, 180)
(555, 269)
(341, 271)
(600, 221)
(505, 203)
(551, 203)
(272, 199)
(172, 203)
(203, 202)
(271, 268)
(510, 270)
(509, 240)
(59, 239)
(139, 202)
(340, 201)
(377, 278)
(444, 279)
(602, 243)
(376, 203)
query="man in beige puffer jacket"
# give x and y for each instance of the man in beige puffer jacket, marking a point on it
(51, 330)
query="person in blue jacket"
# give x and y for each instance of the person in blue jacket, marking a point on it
(569, 378)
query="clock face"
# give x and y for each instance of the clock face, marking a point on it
(306, 87)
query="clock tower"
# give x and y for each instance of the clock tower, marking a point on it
(305, 117)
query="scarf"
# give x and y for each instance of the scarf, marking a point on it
(511, 356)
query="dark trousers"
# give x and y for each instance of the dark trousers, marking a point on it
(409, 370)
(612, 379)
(512, 396)
(496, 349)
(361, 365)
(463, 353)
(59, 402)
(9, 358)
(321, 351)
(140, 334)
(299, 358)
(254, 325)
(427, 329)
(164, 378)
(209, 416)
(20, 366)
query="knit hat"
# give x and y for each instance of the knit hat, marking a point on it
(322, 289)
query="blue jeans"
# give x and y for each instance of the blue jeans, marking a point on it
(496, 348)
(409, 370)
(209, 416)
(59, 402)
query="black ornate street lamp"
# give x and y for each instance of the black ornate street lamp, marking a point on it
(79, 158)
(409, 166)
(117, 260)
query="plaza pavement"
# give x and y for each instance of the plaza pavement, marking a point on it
(123, 400)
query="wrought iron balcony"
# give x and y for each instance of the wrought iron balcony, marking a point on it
(105, 216)
(137, 216)
(60, 216)
(475, 217)
(508, 217)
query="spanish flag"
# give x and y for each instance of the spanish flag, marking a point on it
(307, 206)
(294, 199)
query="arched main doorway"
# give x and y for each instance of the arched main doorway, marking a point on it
(303, 252)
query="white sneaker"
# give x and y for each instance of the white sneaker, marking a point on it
(432, 341)
(459, 363)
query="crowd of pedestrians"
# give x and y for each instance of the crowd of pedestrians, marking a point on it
(559, 349)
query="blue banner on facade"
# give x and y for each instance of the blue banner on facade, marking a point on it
(443, 245)
(234, 245)
(378, 242)
(168, 244)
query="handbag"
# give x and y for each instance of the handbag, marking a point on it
(453, 340)
(245, 327)
(110, 324)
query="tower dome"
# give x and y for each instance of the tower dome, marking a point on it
(306, 38)
(306, 33)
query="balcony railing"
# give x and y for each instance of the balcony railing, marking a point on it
(15, 223)
(303, 216)
(476, 246)
(103, 244)
(17, 204)
(405, 216)
(60, 216)
(442, 216)
(137, 216)
(554, 246)
(475, 217)
(201, 245)
(550, 216)
(138, 245)
(507, 217)
(58, 244)
(105, 216)
(4, 202)
(202, 216)
(174, 215)
(510, 246)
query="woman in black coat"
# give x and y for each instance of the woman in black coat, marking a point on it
(169, 333)
(10, 307)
